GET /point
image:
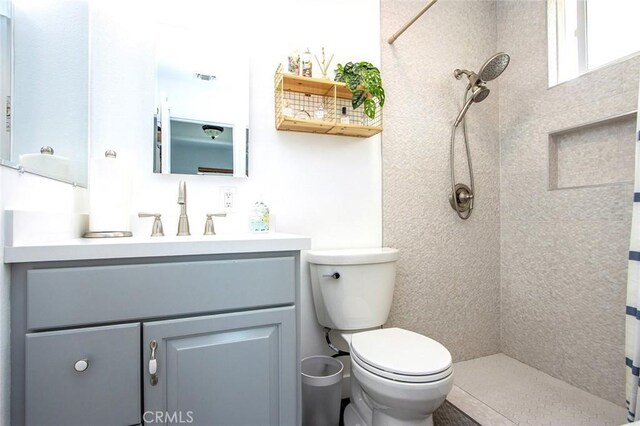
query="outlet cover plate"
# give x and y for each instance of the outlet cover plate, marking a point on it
(228, 198)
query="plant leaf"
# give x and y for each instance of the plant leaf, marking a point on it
(370, 108)
(348, 68)
(359, 96)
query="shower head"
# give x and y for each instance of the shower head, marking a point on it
(490, 70)
(494, 66)
(478, 94)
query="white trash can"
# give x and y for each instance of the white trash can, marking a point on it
(321, 390)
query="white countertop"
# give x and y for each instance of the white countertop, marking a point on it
(132, 247)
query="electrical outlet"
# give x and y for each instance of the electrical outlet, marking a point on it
(228, 195)
(228, 200)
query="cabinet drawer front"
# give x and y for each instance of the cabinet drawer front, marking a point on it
(107, 392)
(91, 295)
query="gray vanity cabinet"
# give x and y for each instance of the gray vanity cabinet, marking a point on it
(224, 328)
(230, 369)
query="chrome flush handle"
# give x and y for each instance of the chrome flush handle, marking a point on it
(335, 275)
(153, 363)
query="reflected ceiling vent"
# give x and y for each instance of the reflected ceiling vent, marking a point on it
(212, 131)
(205, 77)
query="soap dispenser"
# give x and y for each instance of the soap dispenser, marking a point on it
(259, 217)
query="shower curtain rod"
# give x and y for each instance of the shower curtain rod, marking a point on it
(408, 24)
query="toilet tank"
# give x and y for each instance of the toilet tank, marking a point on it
(352, 289)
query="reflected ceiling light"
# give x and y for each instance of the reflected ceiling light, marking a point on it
(212, 131)
(205, 77)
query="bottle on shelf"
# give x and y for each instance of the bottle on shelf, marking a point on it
(306, 64)
(344, 118)
(319, 113)
(293, 63)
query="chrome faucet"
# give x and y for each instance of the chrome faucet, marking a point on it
(183, 222)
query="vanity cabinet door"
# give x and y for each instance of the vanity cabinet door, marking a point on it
(88, 376)
(230, 369)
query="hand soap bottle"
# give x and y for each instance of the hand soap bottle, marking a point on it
(259, 217)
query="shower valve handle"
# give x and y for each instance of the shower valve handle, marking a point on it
(464, 197)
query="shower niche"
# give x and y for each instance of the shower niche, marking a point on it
(316, 105)
(596, 153)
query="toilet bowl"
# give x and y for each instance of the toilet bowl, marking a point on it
(398, 377)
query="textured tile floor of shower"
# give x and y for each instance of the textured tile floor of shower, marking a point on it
(497, 390)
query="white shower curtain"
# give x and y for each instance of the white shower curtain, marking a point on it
(632, 349)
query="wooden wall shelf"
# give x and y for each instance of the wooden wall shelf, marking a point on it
(303, 96)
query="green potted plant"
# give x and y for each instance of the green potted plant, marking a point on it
(365, 84)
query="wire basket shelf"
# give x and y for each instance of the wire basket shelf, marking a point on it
(314, 105)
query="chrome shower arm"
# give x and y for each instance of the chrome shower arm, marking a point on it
(457, 73)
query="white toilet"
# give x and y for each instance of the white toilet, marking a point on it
(398, 377)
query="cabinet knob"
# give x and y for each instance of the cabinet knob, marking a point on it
(81, 365)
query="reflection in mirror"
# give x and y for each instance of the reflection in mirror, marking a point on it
(6, 42)
(50, 114)
(202, 78)
(197, 148)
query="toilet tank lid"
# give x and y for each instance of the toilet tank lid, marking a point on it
(352, 256)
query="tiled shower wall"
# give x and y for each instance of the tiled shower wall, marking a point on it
(563, 252)
(449, 270)
(537, 274)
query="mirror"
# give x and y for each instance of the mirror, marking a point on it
(46, 130)
(202, 90)
(6, 45)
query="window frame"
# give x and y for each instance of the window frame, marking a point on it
(556, 37)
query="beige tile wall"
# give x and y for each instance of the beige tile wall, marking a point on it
(449, 270)
(537, 274)
(563, 252)
(594, 155)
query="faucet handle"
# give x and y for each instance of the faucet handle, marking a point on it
(208, 225)
(156, 230)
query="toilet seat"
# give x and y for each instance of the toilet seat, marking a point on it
(401, 355)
